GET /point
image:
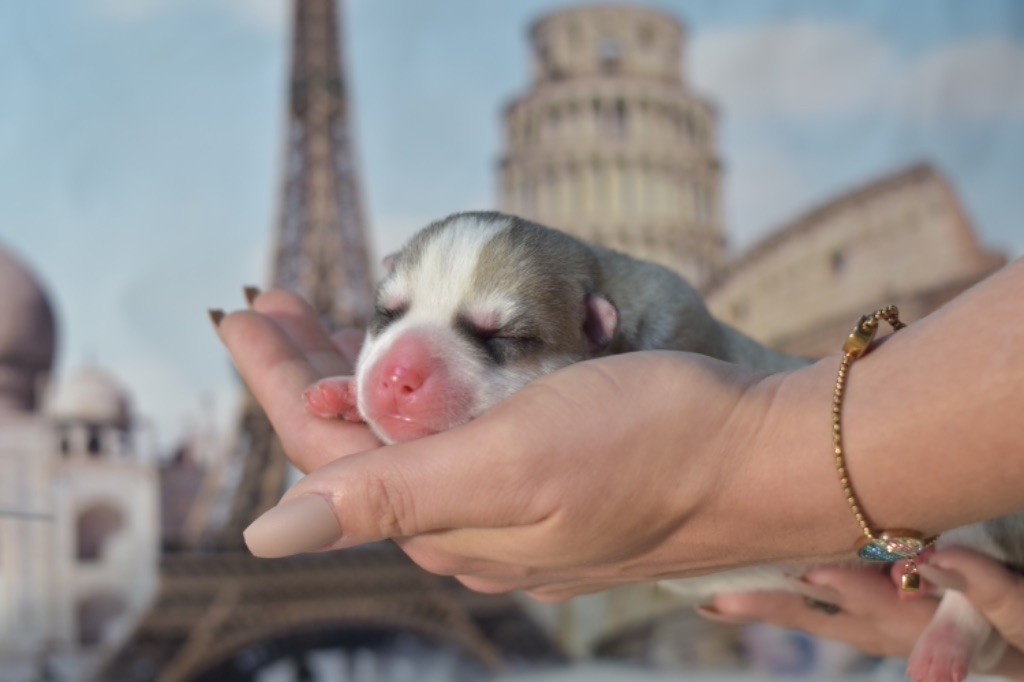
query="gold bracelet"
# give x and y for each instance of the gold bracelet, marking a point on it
(889, 545)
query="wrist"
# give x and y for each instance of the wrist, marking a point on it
(793, 500)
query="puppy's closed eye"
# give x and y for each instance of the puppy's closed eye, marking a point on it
(501, 344)
(384, 316)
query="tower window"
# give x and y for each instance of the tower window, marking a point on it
(621, 119)
(838, 262)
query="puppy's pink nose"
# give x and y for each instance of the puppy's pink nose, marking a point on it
(401, 382)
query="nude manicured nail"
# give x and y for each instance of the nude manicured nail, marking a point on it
(822, 593)
(251, 293)
(300, 525)
(711, 613)
(940, 577)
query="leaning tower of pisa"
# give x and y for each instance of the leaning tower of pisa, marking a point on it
(610, 144)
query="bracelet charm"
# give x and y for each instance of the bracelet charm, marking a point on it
(892, 545)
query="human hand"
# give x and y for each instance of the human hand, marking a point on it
(626, 469)
(280, 348)
(875, 618)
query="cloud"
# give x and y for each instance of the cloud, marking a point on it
(809, 70)
(800, 69)
(976, 81)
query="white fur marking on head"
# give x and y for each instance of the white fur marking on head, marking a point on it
(443, 277)
(448, 262)
(435, 288)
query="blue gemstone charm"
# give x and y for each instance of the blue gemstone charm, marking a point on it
(876, 551)
(889, 548)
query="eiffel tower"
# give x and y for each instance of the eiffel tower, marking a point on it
(321, 250)
(222, 614)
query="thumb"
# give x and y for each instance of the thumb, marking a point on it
(463, 478)
(995, 590)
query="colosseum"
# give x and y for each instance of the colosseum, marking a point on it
(902, 239)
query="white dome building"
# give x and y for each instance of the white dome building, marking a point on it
(27, 337)
(90, 394)
(78, 501)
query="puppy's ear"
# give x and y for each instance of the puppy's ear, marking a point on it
(600, 322)
(387, 263)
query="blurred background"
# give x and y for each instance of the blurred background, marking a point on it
(800, 161)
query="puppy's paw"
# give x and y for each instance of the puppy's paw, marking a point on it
(333, 397)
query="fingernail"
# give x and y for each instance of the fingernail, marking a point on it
(216, 316)
(251, 293)
(822, 593)
(711, 613)
(823, 606)
(300, 525)
(940, 577)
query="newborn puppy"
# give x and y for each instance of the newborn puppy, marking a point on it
(477, 305)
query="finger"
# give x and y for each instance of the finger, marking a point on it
(784, 610)
(996, 591)
(863, 590)
(277, 371)
(889, 633)
(300, 323)
(863, 594)
(464, 478)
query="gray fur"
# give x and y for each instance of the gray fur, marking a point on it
(660, 310)
(553, 271)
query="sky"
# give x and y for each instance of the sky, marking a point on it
(140, 142)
